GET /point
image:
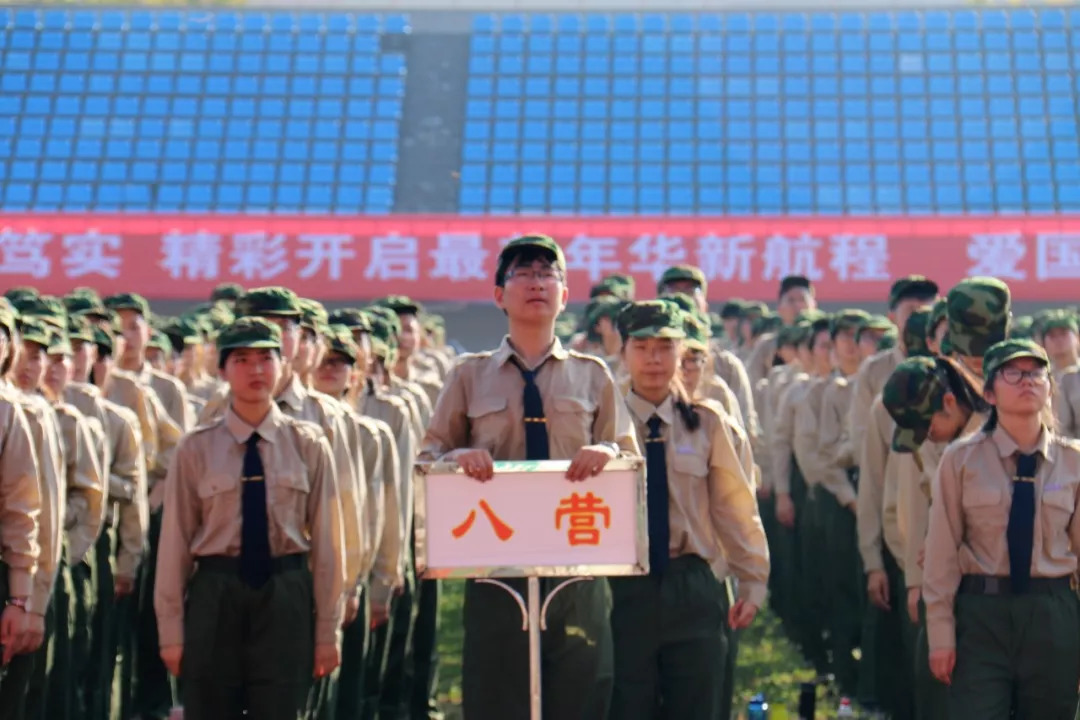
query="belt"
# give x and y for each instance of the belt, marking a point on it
(993, 585)
(231, 565)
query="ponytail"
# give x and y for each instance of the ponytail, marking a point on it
(684, 406)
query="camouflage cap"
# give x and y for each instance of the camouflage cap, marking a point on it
(912, 286)
(697, 333)
(86, 305)
(1022, 328)
(388, 316)
(679, 273)
(603, 306)
(47, 308)
(339, 339)
(1060, 320)
(275, 301)
(313, 315)
(401, 304)
(79, 328)
(35, 330)
(753, 309)
(820, 324)
(618, 285)
(185, 330)
(766, 323)
(800, 332)
(383, 329)
(912, 394)
(18, 293)
(684, 302)
(8, 316)
(939, 312)
(651, 318)
(732, 309)
(249, 332)
(850, 319)
(129, 301)
(789, 335)
(59, 344)
(1006, 351)
(876, 323)
(160, 341)
(978, 312)
(539, 242)
(227, 291)
(103, 338)
(915, 332)
(889, 340)
(352, 318)
(432, 322)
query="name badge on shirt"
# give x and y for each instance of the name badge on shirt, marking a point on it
(1053, 486)
(685, 450)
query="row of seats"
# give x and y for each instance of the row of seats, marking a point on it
(199, 21)
(60, 128)
(76, 105)
(232, 150)
(202, 171)
(770, 22)
(200, 64)
(173, 42)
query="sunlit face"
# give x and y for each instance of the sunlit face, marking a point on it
(793, 302)
(533, 292)
(306, 351)
(136, 333)
(691, 288)
(30, 366)
(948, 422)
(806, 357)
(103, 365)
(58, 373)
(290, 336)
(253, 373)
(409, 337)
(1021, 387)
(691, 367)
(651, 362)
(845, 347)
(157, 359)
(868, 342)
(188, 360)
(333, 374)
(83, 355)
(731, 327)
(822, 351)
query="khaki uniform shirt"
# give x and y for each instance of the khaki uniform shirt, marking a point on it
(204, 387)
(418, 400)
(869, 380)
(813, 454)
(168, 430)
(172, 394)
(713, 512)
(713, 388)
(363, 440)
(834, 437)
(52, 486)
(20, 497)
(783, 433)
(913, 507)
(729, 369)
(760, 360)
(396, 530)
(203, 514)
(877, 480)
(482, 406)
(298, 402)
(84, 514)
(1067, 403)
(124, 390)
(970, 516)
(437, 359)
(128, 487)
(426, 378)
(387, 570)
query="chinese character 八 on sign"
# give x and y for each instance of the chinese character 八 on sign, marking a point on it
(502, 530)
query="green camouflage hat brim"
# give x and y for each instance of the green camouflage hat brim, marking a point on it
(682, 273)
(913, 393)
(538, 242)
(651, 318)
(851, 319)
(1060, 320)
(129, 301)
(272, 301)
(34, 330)
(696, 333)
(915, 333)
(978, 311)
(339, 339)
(249, 332)
(912, 286)
(1004, 352)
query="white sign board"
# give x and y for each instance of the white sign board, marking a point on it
(530, 520)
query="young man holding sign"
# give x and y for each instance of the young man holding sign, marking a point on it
(531, 399)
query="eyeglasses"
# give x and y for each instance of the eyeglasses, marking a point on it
(543, 274)
(1014, 375)
(693, 362)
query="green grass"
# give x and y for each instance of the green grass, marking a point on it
(767, 662)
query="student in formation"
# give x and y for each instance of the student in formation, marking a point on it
(532, 399)
(251, 543)
(669, 626)
(1004, 533)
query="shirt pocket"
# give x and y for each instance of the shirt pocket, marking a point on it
(572, 418)
(984, 506)
(220, 497)
(692, 465)
(488, 421)
(1057, 510)
(287, 498)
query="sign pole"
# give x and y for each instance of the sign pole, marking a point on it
(535, 699)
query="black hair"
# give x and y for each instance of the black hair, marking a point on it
(223, 356)
(526, 255)
(963, 385)
(177, 343)
(790, 282)
(684, 406)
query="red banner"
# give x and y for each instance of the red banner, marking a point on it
(453, 257)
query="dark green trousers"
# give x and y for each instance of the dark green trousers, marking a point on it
(99, 672)
(354, 648)
(1021, 652)
(814, 589)
(931, 696)
(670, 643)
(155, 691)
(767, 509)
(842, 570)
(248, 649)
(727, 688)
(54, 682)
(394, 691)
(84, 578)
(424, 670)
(886, 679)
(375, 662)
(576, 652)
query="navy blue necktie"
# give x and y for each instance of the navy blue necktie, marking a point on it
(255, 562)
(657, 497)
(1021, 532)
(536, 434)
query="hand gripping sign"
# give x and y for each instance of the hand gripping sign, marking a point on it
(530, 521)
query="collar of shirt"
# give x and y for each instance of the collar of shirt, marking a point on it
(1007, 447)
(643, 409)
(241, 431)
(293, 394)
(143, 373)
(507, 351)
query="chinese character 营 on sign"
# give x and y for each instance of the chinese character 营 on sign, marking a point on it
(582, 512)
